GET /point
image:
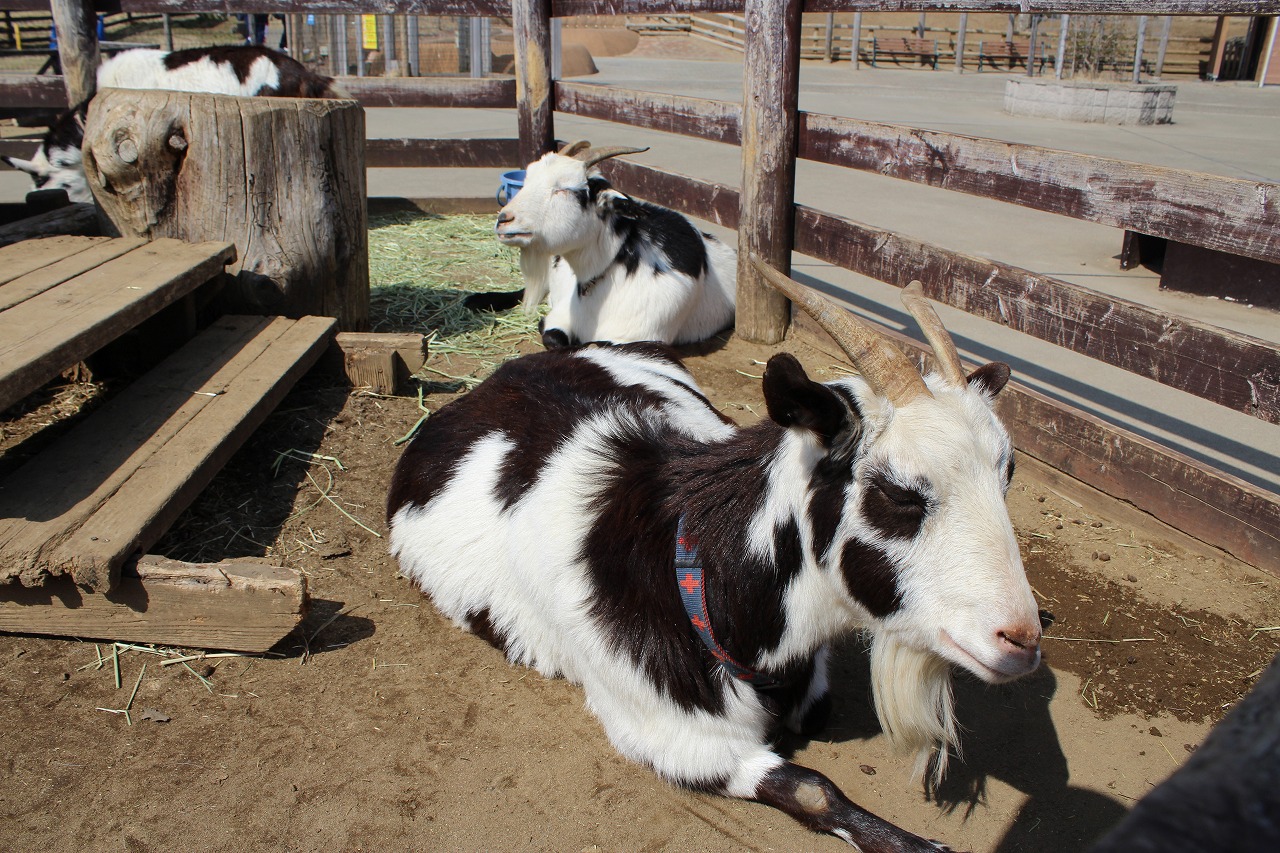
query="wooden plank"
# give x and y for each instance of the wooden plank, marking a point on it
(146, 505)
(24, 258)
(771, 80)
(337, 7)
(1228, 368)
(531, 31)
(381, 361)
(438, 153)
(1227, 214)
(46, 499)
(242, 605)
(95, 253)
(691, 196)
(50, 332)
(78, 220)
(1047, 7)
(32, 91)
(23, 149)
(718, 121)
(431, 92)
(1214, 507)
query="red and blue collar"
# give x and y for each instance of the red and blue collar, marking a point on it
(693, 595)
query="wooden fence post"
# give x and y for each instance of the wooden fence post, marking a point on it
(1064, 27)
(1138, 46)
(770, 87)
(531, 25)
(857, 38)
(961, 29)
(77, 47)
(1164, 45)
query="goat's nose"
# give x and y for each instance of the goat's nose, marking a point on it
(505, 216)
(1022, 640)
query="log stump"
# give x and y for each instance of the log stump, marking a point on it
(282, 178)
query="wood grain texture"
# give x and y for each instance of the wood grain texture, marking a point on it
(691, 196)
(78, 220)
(440, 153)
(1214, 507)
(718, 121)
(25, 258)
(1081, 7)
(1228, 368)
(59, 269)
(493, 93)
(531, 30)
(112, 485)
(77, 27)
(282, 178)
(771, 77)
(32, 91)
(241, 605)
(47, 333)
(381, 361)
(1227, 214)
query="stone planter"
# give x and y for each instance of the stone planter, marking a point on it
(1087, 101)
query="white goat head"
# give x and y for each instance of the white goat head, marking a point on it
(558, 210)
(917, 525)
(57, 164)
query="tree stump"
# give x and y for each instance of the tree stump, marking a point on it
(282, 178)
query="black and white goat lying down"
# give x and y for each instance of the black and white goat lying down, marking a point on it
(226, 70)
(588, 511)
(611, 267)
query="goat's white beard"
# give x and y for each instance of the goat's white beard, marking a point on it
(912, 691)
(535, 265)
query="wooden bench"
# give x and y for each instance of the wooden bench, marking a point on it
(1013, 52)
(924, 50)
(77, 518)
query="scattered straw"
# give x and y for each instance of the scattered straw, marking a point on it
(422, 267)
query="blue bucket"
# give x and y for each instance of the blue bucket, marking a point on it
(511, 183)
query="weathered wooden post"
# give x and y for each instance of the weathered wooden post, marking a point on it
(282, 178)
(531, 26)
(77, 47)
(1164, 45)
(857, 39)
(1138, 46)
(1064, 27)
(961, 32)
(770, 88)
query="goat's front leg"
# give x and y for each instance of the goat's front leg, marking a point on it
(816, 802)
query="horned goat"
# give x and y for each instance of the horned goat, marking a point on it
(612, 268)
(587, 511)
(245, 71)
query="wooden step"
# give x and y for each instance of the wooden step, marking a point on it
(109, 488)
(73, 295)
(242, 605)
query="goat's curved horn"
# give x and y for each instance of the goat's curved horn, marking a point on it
(886, 369)
(573, 148)
(593, 156)
(944, 349)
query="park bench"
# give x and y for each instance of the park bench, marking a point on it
(1013, 52)
(924, 50)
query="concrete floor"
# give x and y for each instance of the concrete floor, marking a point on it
(1224, 129)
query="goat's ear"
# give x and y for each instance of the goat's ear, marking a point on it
(619, 204)
(795, 400)
(22, 165)
(990, 378)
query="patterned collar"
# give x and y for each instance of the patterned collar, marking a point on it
(585, 287)
(693, 595)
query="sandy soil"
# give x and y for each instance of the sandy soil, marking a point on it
(380, 726)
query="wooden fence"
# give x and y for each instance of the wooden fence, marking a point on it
(1231, 215)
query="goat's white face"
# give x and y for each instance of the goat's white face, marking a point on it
(56, 168)
(556, 211)
(928, 497)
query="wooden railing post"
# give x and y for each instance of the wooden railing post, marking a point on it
(531, 25)
(770, 87)
(77, 47)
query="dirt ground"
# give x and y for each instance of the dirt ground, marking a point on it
(380, 726)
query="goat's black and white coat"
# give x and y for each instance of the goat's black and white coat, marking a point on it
(540, 511)
(225, 70)
(611, 267)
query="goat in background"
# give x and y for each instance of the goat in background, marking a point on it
(612, 268)
(590, 513)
